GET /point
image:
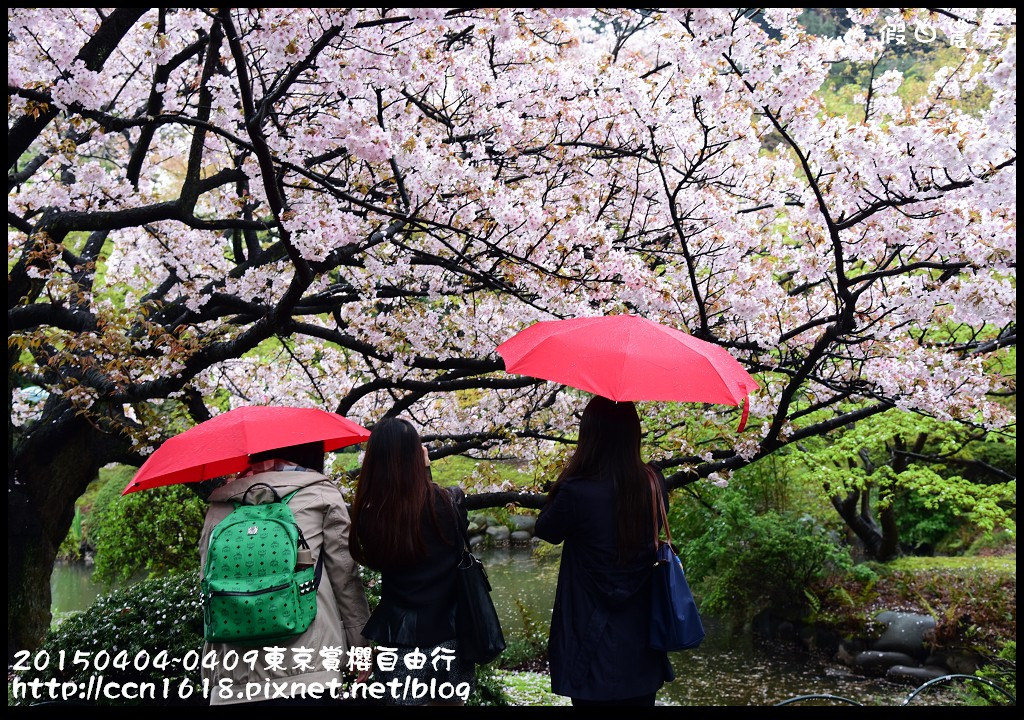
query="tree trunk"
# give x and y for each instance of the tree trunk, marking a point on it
(890, 546)
(47, 471)
(863, 527)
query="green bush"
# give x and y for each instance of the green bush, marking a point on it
(924, 526)
(154, 531)
(146, 631)
(742, 563)
(371, 585)
(1001, 669)
(72, 549)
(488, 690)
(158, 620)
(528, 648)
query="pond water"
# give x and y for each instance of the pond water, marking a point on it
(727, 669)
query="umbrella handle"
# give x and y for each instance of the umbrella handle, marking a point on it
(746, 412)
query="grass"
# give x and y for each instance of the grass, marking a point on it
(1001, 564)
(460, 470)
(454, 470)
(529, 688)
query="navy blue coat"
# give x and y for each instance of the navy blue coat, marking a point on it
(598, 646)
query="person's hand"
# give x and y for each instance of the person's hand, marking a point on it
(363, 676)
(426, 456)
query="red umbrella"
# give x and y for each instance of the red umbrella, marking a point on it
(624, 357)
(223, 444)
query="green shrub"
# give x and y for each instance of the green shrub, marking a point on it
(997, 540)
(371, 586)
(154, 531)
(489, 689)
(72, 549)
(528, 648)
(524, 688)
(924, 526)
(145, 629)
(1000, 669)
(161, 619)
(743, 563)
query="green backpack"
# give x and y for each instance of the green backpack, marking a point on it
(252, 590)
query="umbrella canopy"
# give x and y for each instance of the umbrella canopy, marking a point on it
(625, 357)
(223, 444)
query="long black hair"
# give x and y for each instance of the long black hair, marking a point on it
(609, 445)
(394, 488)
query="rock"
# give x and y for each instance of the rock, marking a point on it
(886, 616)
(786, 632)
(485, 521)
(524, 522)
(499, 535)
(535, 541)
(914, 674)
(476, 541)
(475, 527)
(963, 663)
(818, 639)
(845, 656)
(521, 537)
(876, 661)
(904, 634)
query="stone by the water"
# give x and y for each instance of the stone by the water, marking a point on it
(499, 534)
(876, 661)
(524, 522)
(905, 633)
(915, 674)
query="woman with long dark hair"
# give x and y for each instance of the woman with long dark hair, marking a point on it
(602, 508)
(411, 530)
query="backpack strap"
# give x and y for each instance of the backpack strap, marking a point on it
(318, 573)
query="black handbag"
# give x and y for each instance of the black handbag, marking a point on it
(675, 620)
(477, 627)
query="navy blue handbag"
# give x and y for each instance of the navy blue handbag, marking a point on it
(675, 620)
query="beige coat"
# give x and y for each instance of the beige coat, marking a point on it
(321, 514)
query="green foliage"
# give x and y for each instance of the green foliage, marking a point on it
(469, 472)
(828, 22)
(768, 483)
(526, 649)
(1002, 564)
(529, 689)
(936, 476)
(743, 562)
(996, 540)
(73, 546)
(371, 586)
(81, 537)
(923, 525)
(1001, 669)
(161, 618)
(489, 690)
(154, 531)
(918, 62)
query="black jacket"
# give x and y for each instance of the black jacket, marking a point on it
(417, 603)
(598, 646)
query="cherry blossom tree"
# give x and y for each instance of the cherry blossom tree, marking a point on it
(353, 208)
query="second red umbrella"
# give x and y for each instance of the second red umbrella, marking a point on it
(625, 357)
(223, 444)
